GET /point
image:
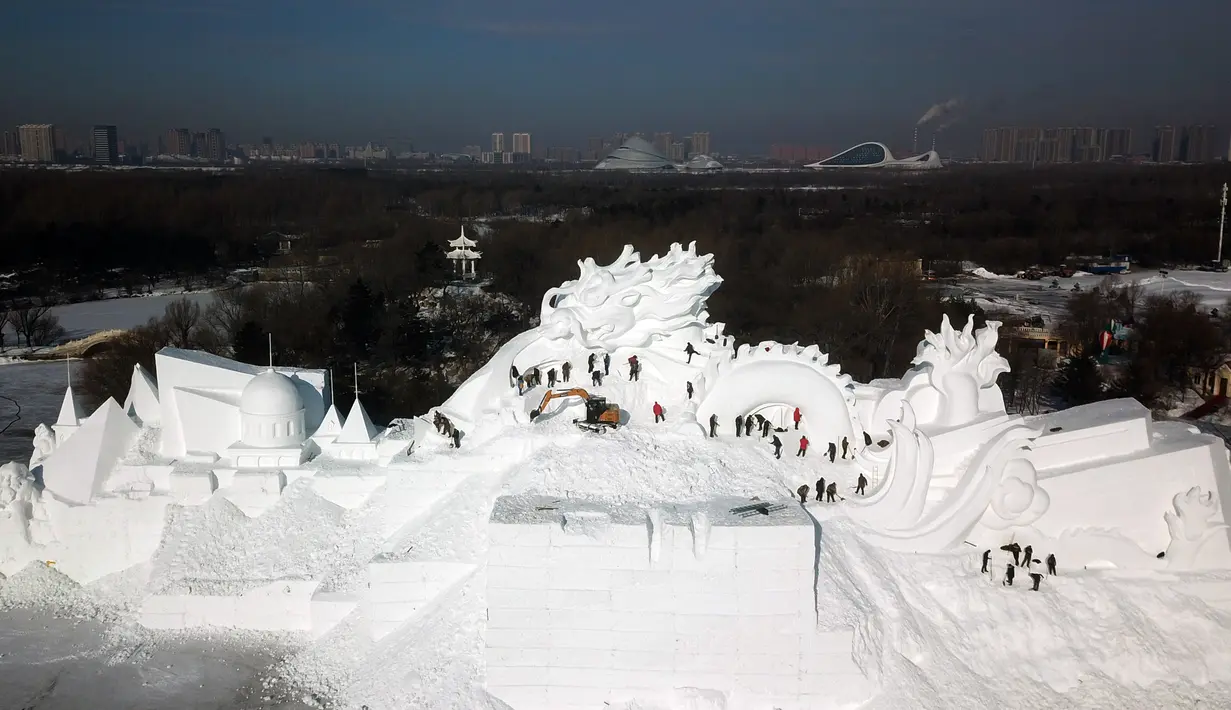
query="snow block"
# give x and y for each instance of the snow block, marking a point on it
(637, 602)
(398, 590)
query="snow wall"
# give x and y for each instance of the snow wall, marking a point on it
(590, 604)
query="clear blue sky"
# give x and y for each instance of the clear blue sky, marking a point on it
(448, 73)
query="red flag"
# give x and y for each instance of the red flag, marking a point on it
(1104, 339)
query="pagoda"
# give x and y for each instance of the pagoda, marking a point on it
(463, 255)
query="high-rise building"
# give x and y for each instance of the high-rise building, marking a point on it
(701, 143)
(1117, 143)
(38, 142)
(678, 152)
(663, 141)
(1086, 146)
(1165, 145)
(595, 149)
(1198, 144)
(199, 147)
(497, 142)
(179, 141)
(521, 144)
(106, 145)
(215, 146)
(12, 144)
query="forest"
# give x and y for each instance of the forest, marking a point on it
(825, 258)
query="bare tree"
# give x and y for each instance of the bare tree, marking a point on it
(36, 323)
(183, 323)
(1030, 385)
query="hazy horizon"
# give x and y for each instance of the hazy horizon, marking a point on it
(821, 72)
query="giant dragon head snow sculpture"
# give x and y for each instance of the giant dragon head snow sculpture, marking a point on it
(1191, 526)
(628, 302)
(956, 366)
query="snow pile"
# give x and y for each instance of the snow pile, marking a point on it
(985, 274)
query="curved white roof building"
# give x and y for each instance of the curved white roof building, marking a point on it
(638, 155)
(635, 154)
(876, 155)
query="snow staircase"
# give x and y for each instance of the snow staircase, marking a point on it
(398, 590)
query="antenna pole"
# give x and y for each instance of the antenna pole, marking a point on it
(68, 369)
(356, 380)
(271, 351)
(1222, 221)
(331, 387)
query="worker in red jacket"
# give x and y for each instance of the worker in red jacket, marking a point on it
(803, 446)
(798, 416)
(658, 413)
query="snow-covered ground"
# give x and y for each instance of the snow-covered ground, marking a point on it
(1006, 293)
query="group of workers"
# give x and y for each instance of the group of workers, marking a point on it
(1022, 557)
(446, 428)
(827, 493)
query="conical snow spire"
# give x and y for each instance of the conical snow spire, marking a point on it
(331, 425)
(358, 428)
(70, 412)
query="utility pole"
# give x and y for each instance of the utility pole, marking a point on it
(1222, 221)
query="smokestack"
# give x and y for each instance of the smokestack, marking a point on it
(933, 142)
(914, 146)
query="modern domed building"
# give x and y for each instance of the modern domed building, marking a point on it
(877, 155)
(638, 155)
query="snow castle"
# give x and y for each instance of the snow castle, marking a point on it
(615, 567)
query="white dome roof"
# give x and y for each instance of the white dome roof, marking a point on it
(270, 394)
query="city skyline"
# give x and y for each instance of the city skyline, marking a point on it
(830, 72)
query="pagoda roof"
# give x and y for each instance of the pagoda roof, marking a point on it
(462, 241)
(460, 253)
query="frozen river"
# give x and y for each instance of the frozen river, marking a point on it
(38, 388)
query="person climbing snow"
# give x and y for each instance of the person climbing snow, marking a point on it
(777, 444)
(846, 445)
(766, 427)
(803, 494)
(833, 452)
(596, 377)
(820, 488)
(513, 375)
(606, 364)
(798, 416)
(522, 385)
(690, 351)
(1014, 548)
(634, 373)
(831, 491)
(1051, 565)
(713, 426)
(739, 425)
(861, 485)
(803, 447)
(590, 362)
(1036, 578)
(1027, 556)
(1008, 576)
(987, 557)
(566, 369)
(688, 389)
(457, 438)
(658, 413)
(551, 377)
(532, 377)
(748, 425)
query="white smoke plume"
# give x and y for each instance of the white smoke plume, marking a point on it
(941, 110)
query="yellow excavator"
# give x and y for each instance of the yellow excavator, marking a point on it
(600, 414)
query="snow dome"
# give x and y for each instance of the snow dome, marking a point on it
(271, 412)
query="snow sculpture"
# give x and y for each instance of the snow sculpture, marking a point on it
(774, 375)
(1018, 500)
(1191, 527)
(628, 302)
(18, 498)
(142, 401)
(271, 412)
(44, 444)
(70, 417)
(77, 469)
(901, 497)
(953, 380)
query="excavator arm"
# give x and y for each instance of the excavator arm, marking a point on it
(558, 394)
